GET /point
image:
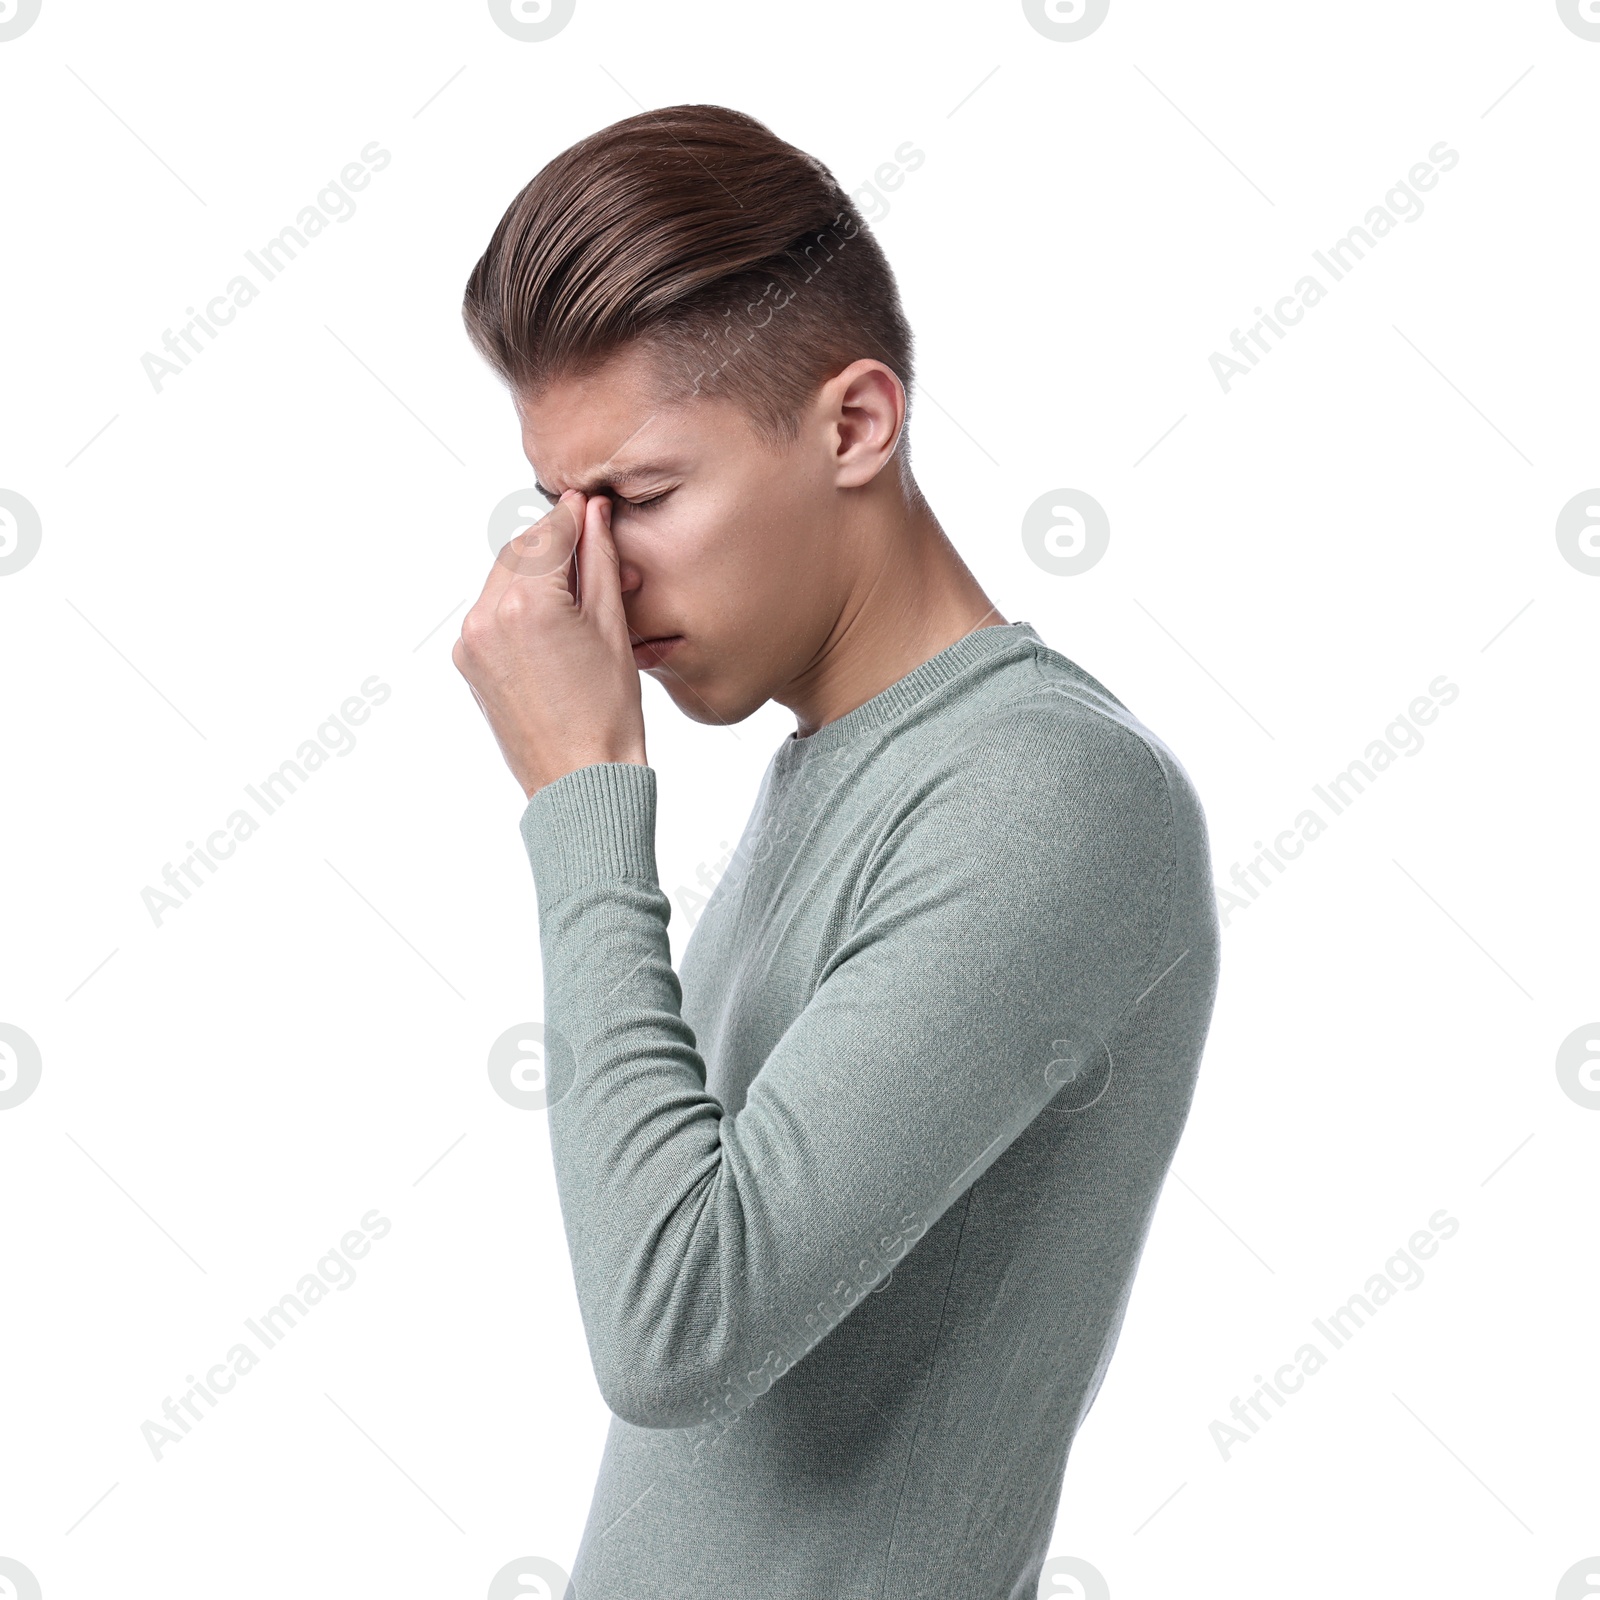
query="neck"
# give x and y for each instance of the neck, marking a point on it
(912, 597)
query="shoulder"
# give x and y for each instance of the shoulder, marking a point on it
(1038, 840)
(1044, 794)
(1055, 759)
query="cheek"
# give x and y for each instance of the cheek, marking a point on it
(689, 538)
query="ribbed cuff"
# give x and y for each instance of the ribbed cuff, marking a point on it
(591, 825)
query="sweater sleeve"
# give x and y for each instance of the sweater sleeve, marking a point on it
(1008, 917)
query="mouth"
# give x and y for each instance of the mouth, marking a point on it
(651, 652)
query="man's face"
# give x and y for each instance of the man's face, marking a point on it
(739, 553)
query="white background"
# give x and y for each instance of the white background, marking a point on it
(224, 562)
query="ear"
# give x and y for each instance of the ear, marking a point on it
(869, 413)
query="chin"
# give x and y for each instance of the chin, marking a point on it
(705, 705)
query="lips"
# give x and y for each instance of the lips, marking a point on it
(648, 651)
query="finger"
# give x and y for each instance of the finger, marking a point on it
(574, 579)
(542, 548)
(600, 569)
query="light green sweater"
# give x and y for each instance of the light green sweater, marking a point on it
(854, 1208)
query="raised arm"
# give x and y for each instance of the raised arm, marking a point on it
(1001, 913)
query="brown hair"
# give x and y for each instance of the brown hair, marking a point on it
(698, 232)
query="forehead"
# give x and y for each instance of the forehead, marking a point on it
(607, 428)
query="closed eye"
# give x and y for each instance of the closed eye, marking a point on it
(655, 499)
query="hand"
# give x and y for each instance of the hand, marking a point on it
(545, 648)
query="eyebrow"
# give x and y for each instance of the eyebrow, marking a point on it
(617, 479)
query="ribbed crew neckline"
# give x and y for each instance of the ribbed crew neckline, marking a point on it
(982, 644)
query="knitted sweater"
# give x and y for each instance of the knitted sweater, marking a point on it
(854, 1203)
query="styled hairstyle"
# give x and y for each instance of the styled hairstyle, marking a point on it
(737, 259)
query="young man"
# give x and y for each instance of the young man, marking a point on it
(854, 1203)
